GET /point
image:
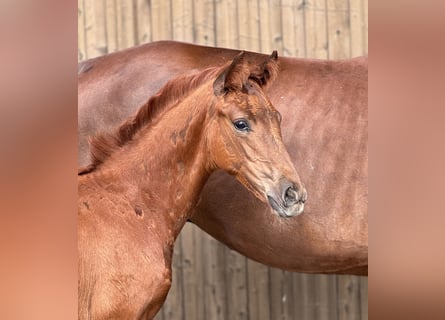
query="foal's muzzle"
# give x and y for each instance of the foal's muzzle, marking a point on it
(289, 200)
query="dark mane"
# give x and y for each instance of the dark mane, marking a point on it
(104, 144)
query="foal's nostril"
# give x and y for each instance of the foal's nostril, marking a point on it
(290, 197)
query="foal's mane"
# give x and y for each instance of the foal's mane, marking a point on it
(104, 144)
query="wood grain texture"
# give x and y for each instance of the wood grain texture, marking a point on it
(81, 41)
(258, 291)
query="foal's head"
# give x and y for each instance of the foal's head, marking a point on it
(244, 136)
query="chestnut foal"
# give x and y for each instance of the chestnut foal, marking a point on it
(145, 179)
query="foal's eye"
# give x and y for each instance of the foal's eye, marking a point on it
(241, 125)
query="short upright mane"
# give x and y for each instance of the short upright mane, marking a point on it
(104, 144)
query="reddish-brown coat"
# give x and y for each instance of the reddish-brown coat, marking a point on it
(324, 109)
(142, 185)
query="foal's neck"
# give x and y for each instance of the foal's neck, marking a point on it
(163, 170)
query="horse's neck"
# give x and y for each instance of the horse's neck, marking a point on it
(163, 170)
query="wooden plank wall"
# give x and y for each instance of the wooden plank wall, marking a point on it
(211, 281)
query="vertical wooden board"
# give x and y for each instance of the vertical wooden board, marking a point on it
(365, 25)
(276, 26)
(258, 290)
(236, 282)
(204, 20)
(173, 306)
(178, 8)
(120, 32)
(226, 22)
(192, 273)
(316, 29)
(81, 51)
(214, 280)
(304, 290)
(288, 295)
(125, 24)
(89, 29)
(100, 34)
(188, 274)
(288, 20)
(281, 294)
(266, 39)
(275, 295)
(189, 21)
(111, 25)
(143, 21)
(292, 18)
(315, 297)
(243, 24)
(325, 296)
(348, 297)
(248, 24)
(364, 298)
(357, 24)
(161, 20)
(339, 31)
(254, 25)
(300, 29)
(182, 20)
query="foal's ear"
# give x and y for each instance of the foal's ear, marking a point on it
(267, 71)
(232, 77)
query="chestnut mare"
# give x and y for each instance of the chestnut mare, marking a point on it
(146, 178)
(324, 105)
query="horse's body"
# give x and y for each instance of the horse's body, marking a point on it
(324, 109)
(145, 179)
